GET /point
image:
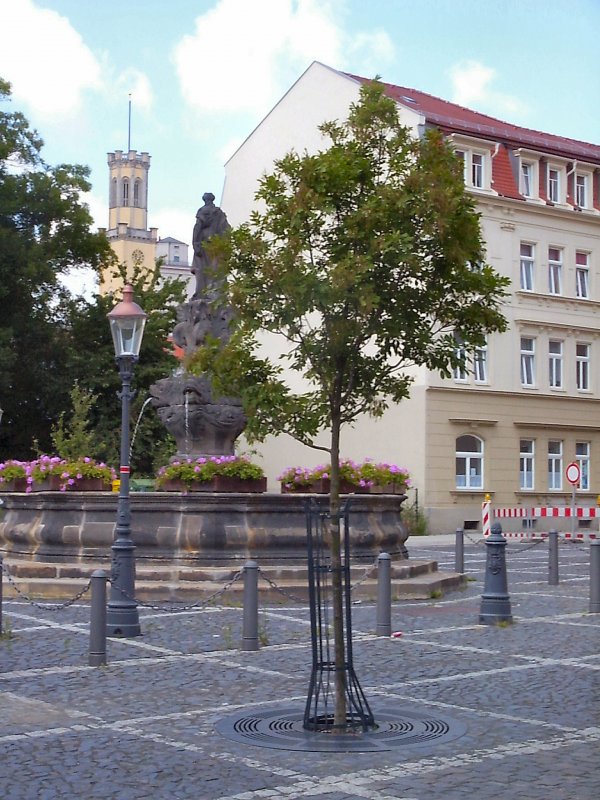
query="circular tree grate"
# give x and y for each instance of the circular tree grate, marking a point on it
(281, 729)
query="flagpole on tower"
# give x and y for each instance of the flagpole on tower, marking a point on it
(129, 126)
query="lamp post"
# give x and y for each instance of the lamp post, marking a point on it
(127, 322)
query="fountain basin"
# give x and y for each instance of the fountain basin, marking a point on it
(54, 526)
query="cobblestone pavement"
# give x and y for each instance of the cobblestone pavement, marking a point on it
(144, 726)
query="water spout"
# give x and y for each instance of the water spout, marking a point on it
(137, 424)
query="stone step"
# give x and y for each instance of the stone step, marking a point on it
(419, 581)
(174, 573)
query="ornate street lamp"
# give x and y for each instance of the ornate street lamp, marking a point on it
(127, 322)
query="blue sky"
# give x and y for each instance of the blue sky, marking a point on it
(203, 73)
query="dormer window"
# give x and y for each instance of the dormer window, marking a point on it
(476, 156)
(581, 190)
(528, 174)
(477, 170)
(553, 185)
(526, 179)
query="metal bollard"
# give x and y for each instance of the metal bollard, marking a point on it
(459, 551)
(1, 579)
(384, 595)
(595, 577)
(97, 656)
(250, 622)
(495, 602)
(553, 558)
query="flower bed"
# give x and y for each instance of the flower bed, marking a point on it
(366, 477)
(212, 474)
(54, 474)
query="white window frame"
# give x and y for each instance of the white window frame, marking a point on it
(460, 373)
(472, 476)
(582, 366)
(527, 361)
(583, 457)
(555, 269)
(526, 464)
(527, 177)
(554, 187)
(527, 267)
(478, 175)
(581, 189)
(480, 363)
(582, 275)
(555, 364)
(555, 465)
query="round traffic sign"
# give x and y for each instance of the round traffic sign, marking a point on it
(573, 473)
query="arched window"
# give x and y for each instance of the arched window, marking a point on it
(113, 193)
(137, 187)
(125, 191)
(469, 462)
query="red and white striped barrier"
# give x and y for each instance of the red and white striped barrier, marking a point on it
(586, 512)
(485, 518)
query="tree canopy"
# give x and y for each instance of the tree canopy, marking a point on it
(366, 259)
(49, 340)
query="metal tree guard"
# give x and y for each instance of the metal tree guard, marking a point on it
(320, 702)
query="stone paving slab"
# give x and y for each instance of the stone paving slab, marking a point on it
(143, 726)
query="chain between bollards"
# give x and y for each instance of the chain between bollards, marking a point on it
(384, 595)
(459, 551)
(97, 654)
(250, 620)
(553, 558)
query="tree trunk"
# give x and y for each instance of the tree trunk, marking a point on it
(336, 576)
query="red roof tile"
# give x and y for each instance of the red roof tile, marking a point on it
(503, 178)
(464, 120)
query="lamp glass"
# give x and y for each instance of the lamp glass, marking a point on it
(127, 333)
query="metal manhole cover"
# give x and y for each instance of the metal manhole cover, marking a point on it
(281, 729)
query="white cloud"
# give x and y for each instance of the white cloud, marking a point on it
(38, 55)
(51, 68)
(175, 222)
(243, 55)
(135, 83)
(471, 81)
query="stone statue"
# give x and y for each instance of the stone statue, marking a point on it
(210, 221)
(200, 423)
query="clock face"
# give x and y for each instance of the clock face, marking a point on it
(137, 257)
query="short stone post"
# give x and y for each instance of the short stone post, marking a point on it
(1, 579)
(495, 602)
(595, 577)
(250, 621)
(459, 551)
(384, 595)
(553, 558)
(97, 656)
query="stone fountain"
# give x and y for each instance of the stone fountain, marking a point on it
(202, 424)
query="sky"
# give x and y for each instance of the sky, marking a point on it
(203, 73)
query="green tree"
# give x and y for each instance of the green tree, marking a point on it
(45, 229)
(366, 260)
(73, 438)
(91, 361)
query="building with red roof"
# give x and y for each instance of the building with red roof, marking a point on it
(529, 402)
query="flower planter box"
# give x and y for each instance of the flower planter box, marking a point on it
(390, 488)
(54, 482)
(220, 483)
(323, 486)
(16, 485)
